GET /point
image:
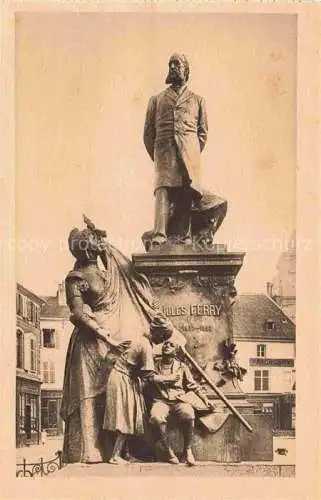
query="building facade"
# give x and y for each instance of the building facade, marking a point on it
(56, 330)
(265, 338)
(28, 374)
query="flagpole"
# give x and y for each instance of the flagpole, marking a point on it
(217, 390)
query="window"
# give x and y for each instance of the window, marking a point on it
(261, 380)
(21, 412)
(32, 312)
(19, 304)
(261, 350)
(270, 324)
(52, 413)
(49, 413)
(34, 419)
(29, 310)
(52, 377)
(19, 349)
(45, 372)
(37, 315)
(32, 355)
(49, 372)
(30, 413)
(49, 337)
(24, 307)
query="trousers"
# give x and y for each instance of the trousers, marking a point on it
(161, 410)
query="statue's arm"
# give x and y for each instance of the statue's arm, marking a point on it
(80, 313)
(191, 385)
(202, 126)
(150, 127)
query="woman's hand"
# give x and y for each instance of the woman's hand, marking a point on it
(122, 346)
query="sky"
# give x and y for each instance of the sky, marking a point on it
(83, 81)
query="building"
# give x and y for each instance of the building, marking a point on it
(265, 338)
(282, 288)
(28, 376)
(55, 334)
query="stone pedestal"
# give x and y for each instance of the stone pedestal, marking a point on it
(196, 291)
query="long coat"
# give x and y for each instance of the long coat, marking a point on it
(175, 133)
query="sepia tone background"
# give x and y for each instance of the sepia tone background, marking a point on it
(305, 483)
(82, 86)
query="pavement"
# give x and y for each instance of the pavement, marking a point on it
(46, 451)
(281, 466)
(202, 469)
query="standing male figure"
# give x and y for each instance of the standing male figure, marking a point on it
(175, 134)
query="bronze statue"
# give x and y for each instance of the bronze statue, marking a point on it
(112, 308)
(175, 134)
(115, 314)
(170, 390)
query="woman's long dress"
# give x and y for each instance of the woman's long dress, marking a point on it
(125, 407)
(120, 301)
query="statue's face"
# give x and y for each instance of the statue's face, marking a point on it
(169, 348)
(176, 71)
(87, 244)
(95, 245)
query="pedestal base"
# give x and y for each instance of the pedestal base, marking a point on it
(196, 291)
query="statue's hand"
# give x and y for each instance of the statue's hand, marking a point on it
(171, 379)
(122, 346)
(210, 405)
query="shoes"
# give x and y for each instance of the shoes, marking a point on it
(158, 240)
(117, 461)
(190, 460)
(172, 458)
(187, 240)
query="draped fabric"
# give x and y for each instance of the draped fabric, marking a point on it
(128, 317)
(121, 301)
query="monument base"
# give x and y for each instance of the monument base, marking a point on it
(196, 292)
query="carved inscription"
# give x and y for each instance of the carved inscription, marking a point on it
(193, 310)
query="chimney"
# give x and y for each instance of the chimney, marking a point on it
(269, 289)
(61, 295)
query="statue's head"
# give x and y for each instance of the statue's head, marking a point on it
(178, 72)
(161, 329)
(170, 348)
(87, 244)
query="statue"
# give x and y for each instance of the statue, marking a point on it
(116, 318)
(170, 390)
(112, 309)
(175, 134)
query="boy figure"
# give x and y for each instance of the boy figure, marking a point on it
(171, 382)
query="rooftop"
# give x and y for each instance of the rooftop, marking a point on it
(28, 293)
(259, 317)
(51, 309)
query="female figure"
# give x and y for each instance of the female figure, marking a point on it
(125, 410)
(111, 306)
